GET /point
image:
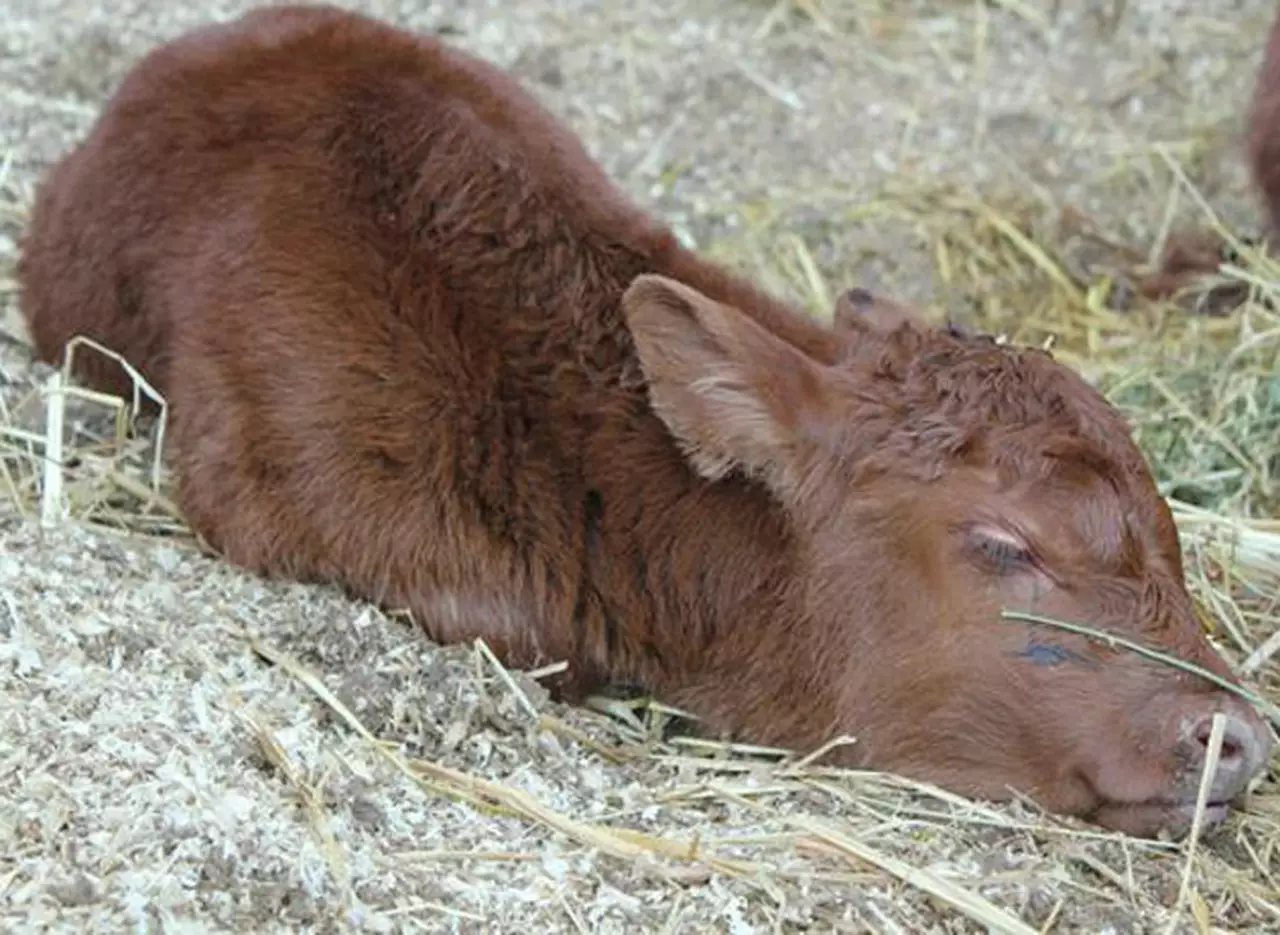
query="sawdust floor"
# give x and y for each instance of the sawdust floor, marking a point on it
(156, 774)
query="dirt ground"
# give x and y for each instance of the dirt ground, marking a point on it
(159, 775)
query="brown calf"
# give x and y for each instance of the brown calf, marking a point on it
(1264, 131)
(1193, 254)
(416, 343)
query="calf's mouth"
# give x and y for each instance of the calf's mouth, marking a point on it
(1162, 819)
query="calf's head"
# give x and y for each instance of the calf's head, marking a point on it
(932, 479)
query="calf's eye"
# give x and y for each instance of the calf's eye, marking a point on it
(1000, 551)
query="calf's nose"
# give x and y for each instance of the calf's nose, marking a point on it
(1246, 747)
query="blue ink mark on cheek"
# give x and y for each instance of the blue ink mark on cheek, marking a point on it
(1045, 654)
(1053, 654)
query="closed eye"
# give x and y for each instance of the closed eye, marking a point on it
(1000, 551)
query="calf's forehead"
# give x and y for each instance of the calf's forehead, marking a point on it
(941, 400)
(1103, 505)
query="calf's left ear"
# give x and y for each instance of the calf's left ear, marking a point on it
(734, 394)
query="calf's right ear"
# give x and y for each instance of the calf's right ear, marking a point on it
(732, 393)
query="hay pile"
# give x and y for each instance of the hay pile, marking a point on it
(187, 748)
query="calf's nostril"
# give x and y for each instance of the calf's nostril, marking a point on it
(1232, 746)
(1245, 743)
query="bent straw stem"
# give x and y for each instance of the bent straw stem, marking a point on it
(1266, 707)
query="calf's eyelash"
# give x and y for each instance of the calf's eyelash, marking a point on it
(1006, 554)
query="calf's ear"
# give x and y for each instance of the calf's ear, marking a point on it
(732, 393)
